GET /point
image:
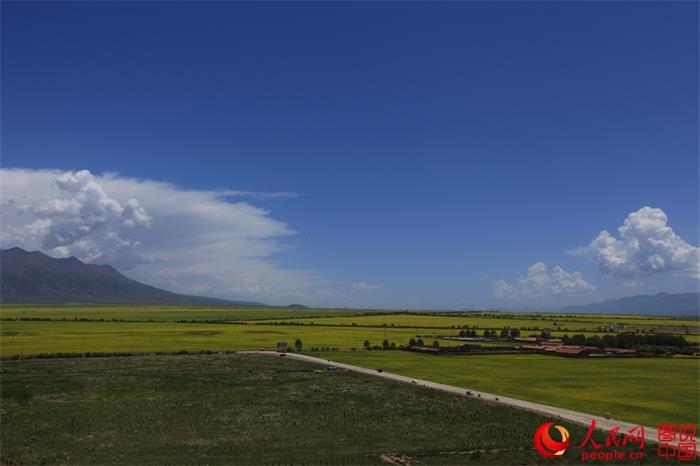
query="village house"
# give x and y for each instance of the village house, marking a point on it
(557, 348)
(281, 346)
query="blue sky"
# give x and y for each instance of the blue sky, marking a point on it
(434, 148)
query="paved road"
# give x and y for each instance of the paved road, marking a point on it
(549, 411)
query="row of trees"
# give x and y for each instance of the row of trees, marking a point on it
(626, 340)
(506, 332)
(386, 345)
(420, 342)
(620, 340)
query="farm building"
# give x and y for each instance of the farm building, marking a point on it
(575, 351)
(422, 349)
(559, 349)
(539, 340)
(552, 342)
(620, 351)
(281, 346)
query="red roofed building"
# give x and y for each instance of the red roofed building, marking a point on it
(559, 349)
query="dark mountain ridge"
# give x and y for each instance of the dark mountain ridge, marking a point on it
(34, 277)
(663, 304)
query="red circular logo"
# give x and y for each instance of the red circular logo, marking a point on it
(546, 445)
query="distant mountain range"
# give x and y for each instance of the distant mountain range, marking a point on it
(34, 277)
(665, 304)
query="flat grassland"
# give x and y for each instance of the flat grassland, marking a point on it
(557, 324)
(246, 409)
(32, 330)
(338, 317)
(160, 313)
(33, 337)
(497, 320)
(646, 391)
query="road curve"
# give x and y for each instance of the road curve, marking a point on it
(576, 417)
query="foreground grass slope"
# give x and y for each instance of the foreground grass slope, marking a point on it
(245, 409)
(647, 391)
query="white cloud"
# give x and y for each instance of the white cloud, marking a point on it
(260, 194)
(646, 245)
(363, 286)
(540, 283)
(627, 285)
(79, 218)
(197, 242)
(631, 284)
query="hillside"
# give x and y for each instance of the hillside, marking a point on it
(34, 277)
(680, 304)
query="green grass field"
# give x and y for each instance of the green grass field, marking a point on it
(33, 337)
(646, 391)
(160, 313)
(637, 390)
(245, 409)
(490, 321)
(336, 316)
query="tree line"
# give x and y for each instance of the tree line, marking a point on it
(506, 332)
(626, 340)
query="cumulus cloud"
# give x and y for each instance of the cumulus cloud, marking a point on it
(540, 283)
(79, 218)
(260, 194)
(364, 286)
(646, 245)
(631, 284)
(627, 285)
(198, 242)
